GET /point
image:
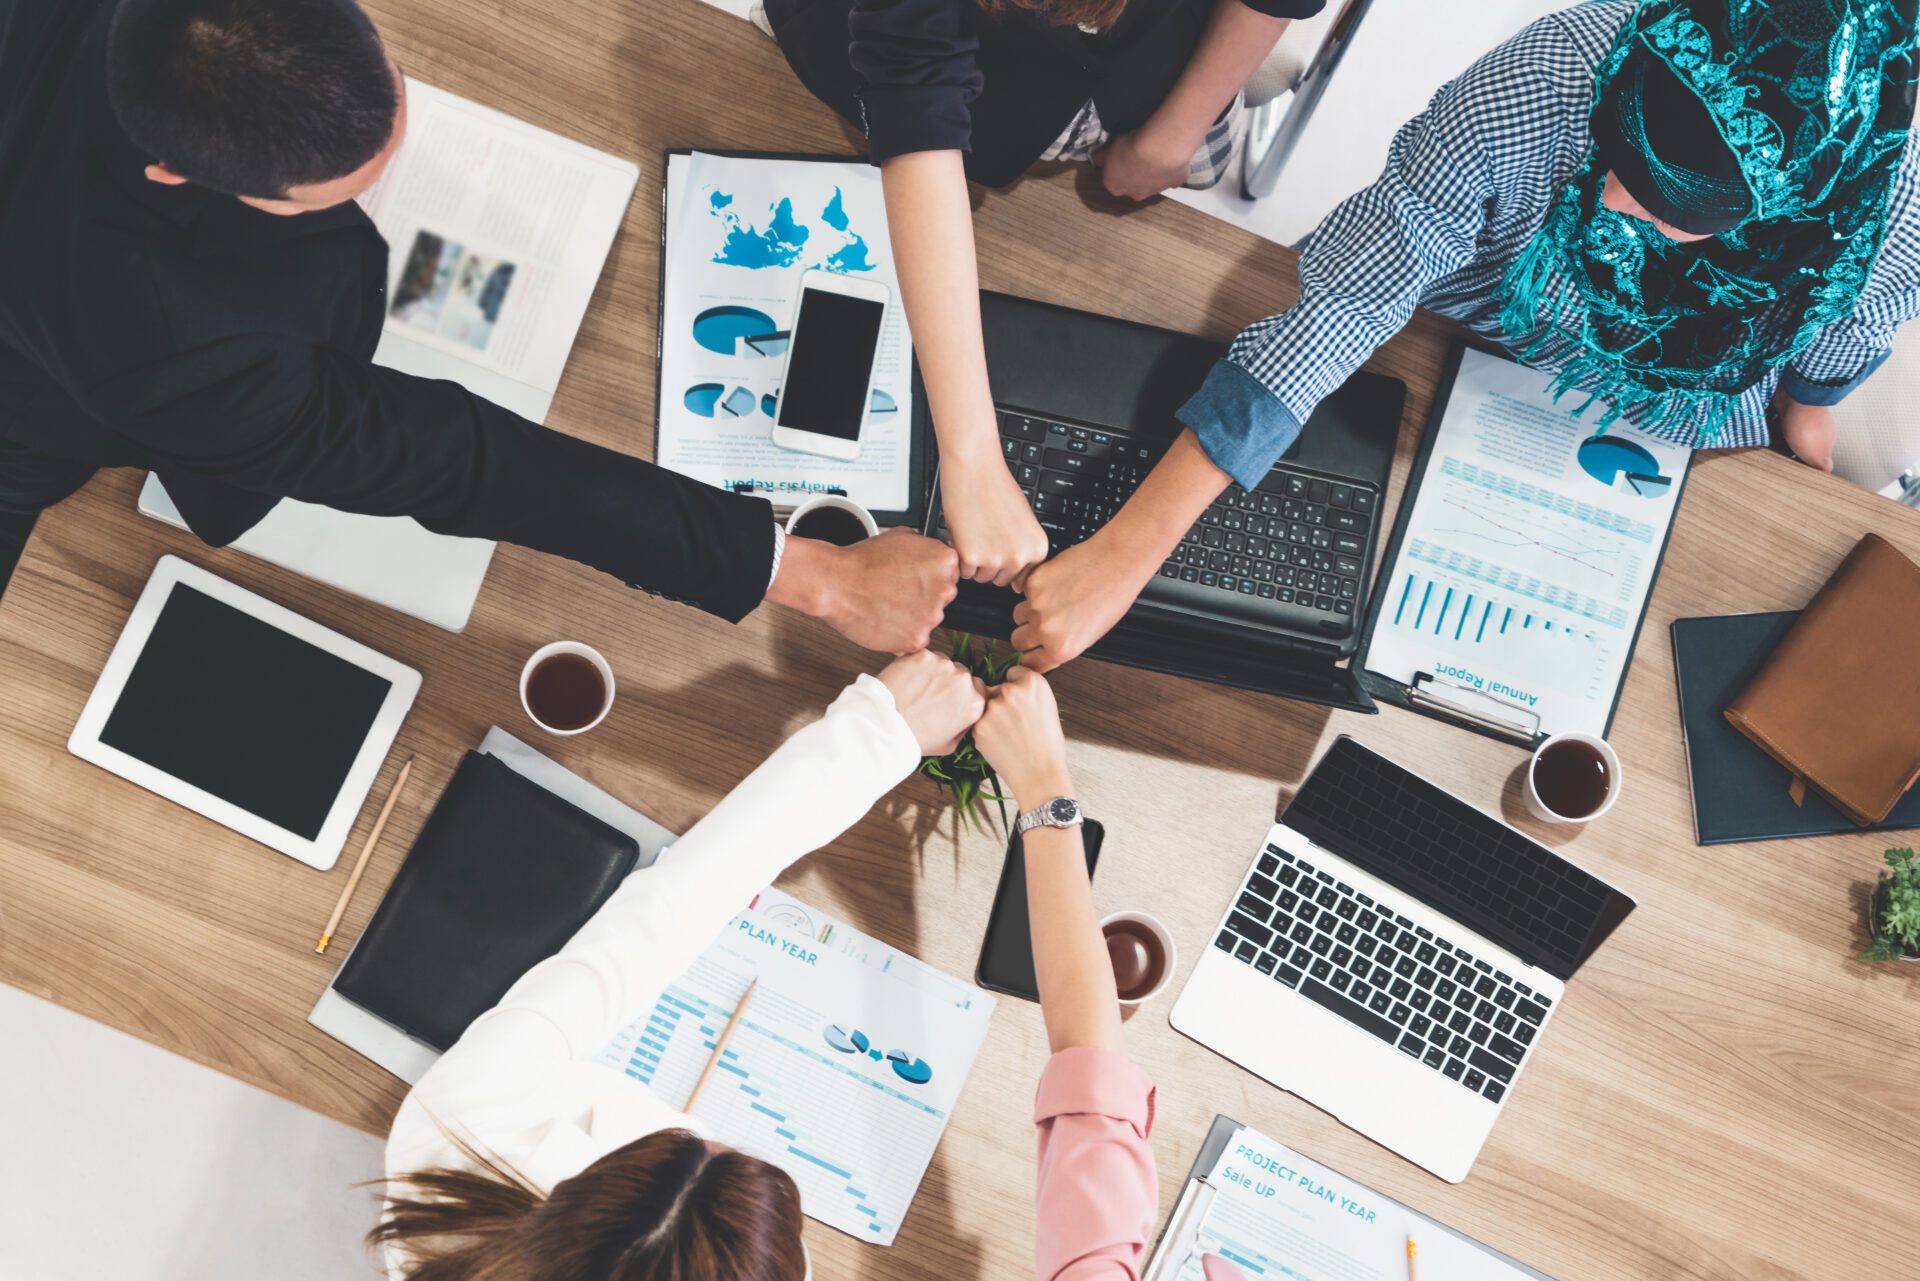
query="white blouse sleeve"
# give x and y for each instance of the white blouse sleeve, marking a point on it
(814, 787)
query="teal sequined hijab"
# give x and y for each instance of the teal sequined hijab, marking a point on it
(1813, 99)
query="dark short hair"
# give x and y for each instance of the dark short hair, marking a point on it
(251, 97)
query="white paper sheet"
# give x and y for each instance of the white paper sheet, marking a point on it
(1531, 550)
(497, 231)
(843, 1070)
(739, 234)
(1276, 1213)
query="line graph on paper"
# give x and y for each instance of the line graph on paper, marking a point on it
(1495, 527)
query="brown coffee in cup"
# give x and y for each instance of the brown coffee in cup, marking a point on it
(1571, 778)
(834, 525)
(1139, 961)
(565, 691)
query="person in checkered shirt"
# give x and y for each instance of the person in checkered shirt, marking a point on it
(1699, 215)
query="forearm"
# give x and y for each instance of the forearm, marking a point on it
(931, 224)
(1077, 997)
(1237, 40)
(1146, 529)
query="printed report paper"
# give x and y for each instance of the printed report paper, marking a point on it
(1531, 549)
(843, 1070)
(739, 234)
(1278, 1214)
(496, 233)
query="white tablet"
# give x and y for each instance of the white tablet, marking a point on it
(242, 710)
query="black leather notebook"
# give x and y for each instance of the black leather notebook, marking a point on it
(1740, 792)
(501, 876)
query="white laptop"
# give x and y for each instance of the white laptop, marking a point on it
(1393, 956)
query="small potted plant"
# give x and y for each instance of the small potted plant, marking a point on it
(964, 771)
(1893, 911)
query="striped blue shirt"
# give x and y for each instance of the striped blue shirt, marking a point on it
(1467, 183)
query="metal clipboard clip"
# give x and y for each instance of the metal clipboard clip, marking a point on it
(1182, 1239)
(1497, 716)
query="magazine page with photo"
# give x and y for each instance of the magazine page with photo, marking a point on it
(497, 232)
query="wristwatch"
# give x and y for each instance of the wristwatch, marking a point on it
(1061, 811)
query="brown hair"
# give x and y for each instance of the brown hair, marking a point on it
(1098, 14)
(666, 1207)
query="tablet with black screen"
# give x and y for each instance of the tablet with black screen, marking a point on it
(244, 711)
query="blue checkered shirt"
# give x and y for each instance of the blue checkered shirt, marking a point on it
(1467, 184)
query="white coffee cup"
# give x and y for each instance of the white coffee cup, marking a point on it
(1540, 809)
(587, 652)
(1151, 924)
(838, 501)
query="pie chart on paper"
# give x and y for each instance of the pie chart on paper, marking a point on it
(1614, 461)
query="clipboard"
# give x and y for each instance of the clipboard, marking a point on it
(920, 457)
(1454, 701)
(1179, 1237)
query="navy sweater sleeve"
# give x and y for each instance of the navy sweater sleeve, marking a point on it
(918, 78)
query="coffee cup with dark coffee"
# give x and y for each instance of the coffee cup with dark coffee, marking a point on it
(566, 687)
(832, 518)
(1142, 953)
(1572, 778)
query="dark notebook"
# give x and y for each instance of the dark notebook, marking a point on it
(501, 876)
(1740, 792)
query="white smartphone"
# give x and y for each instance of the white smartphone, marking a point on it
(834, 338)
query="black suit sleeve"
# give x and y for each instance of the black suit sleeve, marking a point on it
(287, 420)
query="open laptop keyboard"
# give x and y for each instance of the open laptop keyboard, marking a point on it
(1293, 551)
(1436, 1002)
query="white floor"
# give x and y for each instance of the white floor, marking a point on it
(119, 1160)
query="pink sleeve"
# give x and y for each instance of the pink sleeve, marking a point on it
(1098, 1193)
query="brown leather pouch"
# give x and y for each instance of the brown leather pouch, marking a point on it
(1838, 701)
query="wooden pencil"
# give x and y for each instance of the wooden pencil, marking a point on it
(720, 1046)
(366, 852)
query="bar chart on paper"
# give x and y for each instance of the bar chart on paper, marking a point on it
(842, 1071)
(1527, 558)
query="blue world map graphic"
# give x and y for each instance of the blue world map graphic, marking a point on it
(786, 240)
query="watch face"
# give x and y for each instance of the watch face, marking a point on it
(1063, 810)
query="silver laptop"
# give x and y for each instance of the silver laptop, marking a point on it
(390, 560)
(1394, 956)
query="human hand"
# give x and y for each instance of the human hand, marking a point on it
(1142, 164)
(989, 522)
(886, 593)
(937, 697)
(1073, 600)
(1019, 734)
(1809, 430)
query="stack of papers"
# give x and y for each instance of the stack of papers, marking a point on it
(843, 1070)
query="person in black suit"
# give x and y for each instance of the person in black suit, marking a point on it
(187, 286)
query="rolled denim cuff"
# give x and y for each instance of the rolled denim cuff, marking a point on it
(1808, 392)
(1243, 426)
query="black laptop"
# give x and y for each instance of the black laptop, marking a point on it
(1268, 590)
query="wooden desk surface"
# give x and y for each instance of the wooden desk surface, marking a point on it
(1727, 1092)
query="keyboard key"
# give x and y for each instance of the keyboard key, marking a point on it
(1268, 864)
(1320, 969)
(1444, 965)
(1380, 1003)
(1483, 986)
(1405, 967)
(1524, 1034)
(1506, 1049)
(1340, 495)
(1288, 900)
(1474, 1080)
(1321, 945)
(1253, 907)
(1381, 975)
(1301, 932)
(1348, 545)
(1366, 920)
(1340, 955)
(1264, 886)
(1412, 1046)
(1245, 951)
(1363, 1016)
(1226, 941)
(1425, 979)
(1340, 980)
(1346, 933)
(1400, 989)
(1460, 1021)
(1494, 1066)
(1301, 957)
(1345, 909)
(1420, 1000)
(1365, 944)
(1288, 975)
(1419, 1025)
(1435, 1057)
(1503, 1022)
(1494, 1092)
(1453, 1069)
(1307, 914)
(1460, 1047)
(1399, 1013)
(1504, 998)
(1328, 896)
(1349, 522)
(1484, 1011)
(1360, 991)
(1444, 989)
(1529, 1012)
(1362, 500)
(1265, 962)
(1246, 927)
(1479, 1033)
(1425, 953)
